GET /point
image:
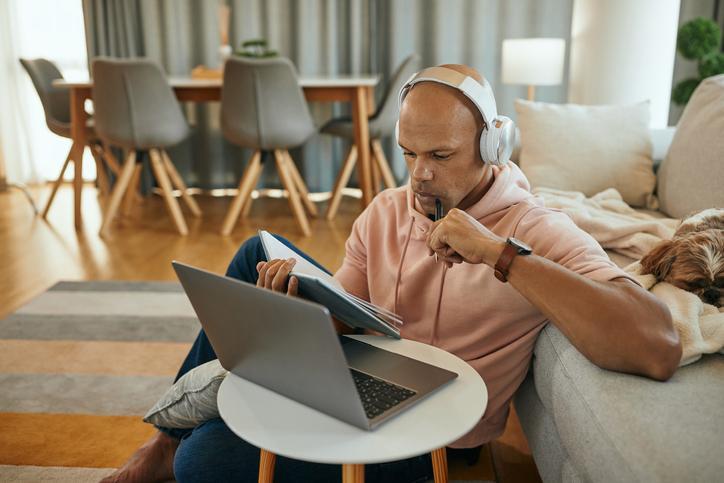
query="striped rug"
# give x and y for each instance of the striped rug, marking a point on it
(78, 365)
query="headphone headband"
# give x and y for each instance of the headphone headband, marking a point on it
(481, 94)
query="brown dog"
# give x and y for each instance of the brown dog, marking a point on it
(693, 259)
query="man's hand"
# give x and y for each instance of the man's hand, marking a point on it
(274, 274)
(458, 237)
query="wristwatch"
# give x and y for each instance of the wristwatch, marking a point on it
(512, 248)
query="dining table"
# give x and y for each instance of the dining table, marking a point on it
(358, 90)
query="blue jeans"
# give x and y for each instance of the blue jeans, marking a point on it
(212, 452)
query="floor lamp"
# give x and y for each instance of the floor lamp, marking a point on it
(533, 62)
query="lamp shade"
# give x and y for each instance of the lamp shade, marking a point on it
(535, 62)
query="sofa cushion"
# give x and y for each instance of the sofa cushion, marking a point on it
(691, 177)
(619, 427)
(588, 149)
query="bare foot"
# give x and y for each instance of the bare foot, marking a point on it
(150, 463)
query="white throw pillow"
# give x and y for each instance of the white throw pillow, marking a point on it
(588, 149)
(191, 400)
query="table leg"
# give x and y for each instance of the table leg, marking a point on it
(78, 118)
(439, 465)
(353, 473)
(362, 140)
(266, 466)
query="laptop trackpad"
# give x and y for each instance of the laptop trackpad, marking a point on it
(401, 370)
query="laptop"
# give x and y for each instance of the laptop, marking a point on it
(290, 346)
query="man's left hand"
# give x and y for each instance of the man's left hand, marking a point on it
(458, 237)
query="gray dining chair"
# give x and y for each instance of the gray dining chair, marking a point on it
(136, 109)
(56, 106)
(381, 124)
(264, 109)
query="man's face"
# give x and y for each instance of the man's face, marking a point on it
(439, 135)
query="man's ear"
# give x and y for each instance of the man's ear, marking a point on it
(659, 260)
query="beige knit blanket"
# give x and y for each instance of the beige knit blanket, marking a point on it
(700, 325)
(613, 223)
(618, 227)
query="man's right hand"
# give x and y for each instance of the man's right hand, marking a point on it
(274, 275)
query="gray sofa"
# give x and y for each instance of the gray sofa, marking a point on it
(584, 423)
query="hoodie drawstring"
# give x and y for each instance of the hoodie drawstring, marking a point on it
(398, 279)
(439, 304)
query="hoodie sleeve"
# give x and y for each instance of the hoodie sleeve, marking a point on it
(553, 234)
(353, 272)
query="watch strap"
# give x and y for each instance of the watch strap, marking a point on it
(504, 261)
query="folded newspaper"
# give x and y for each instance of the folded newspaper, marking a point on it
(320, 287)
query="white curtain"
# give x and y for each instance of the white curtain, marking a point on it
(15, 146)
(320, 37)
(30, 29)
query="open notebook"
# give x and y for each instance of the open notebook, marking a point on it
(322, 288)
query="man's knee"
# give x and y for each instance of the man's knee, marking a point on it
(243, 265)
(251, 252)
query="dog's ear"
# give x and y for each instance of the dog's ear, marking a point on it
(659, 260)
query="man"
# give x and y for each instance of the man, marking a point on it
(439, 276)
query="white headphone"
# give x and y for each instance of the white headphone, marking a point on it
(498, 137)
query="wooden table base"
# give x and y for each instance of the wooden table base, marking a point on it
(353, 473)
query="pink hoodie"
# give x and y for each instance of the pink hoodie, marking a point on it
(465, 309)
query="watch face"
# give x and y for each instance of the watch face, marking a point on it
(523, 248)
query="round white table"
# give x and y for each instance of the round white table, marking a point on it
(279, 425)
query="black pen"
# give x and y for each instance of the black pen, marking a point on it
(438, 215)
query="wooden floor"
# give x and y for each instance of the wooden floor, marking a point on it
(36, 254)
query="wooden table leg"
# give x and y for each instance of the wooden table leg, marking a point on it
(353, 473)
(78, 118)
(362, 140)
(439, 465)
(266, 466)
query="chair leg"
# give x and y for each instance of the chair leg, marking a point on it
(376, 179)
(162, 177)
(250, 199)
(301, 185)
(132, 191)
(384, 166)
(251, 174)
(178, 182)
(101, 176)
(289, 184)
(56, 185)
(342, 180)
(111, 160)
(118, 191)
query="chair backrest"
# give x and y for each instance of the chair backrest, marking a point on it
(55, 100)
(134, 106)
(262, 105)
(387, 113)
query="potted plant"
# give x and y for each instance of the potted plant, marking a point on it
(698, 40)
(256, 48)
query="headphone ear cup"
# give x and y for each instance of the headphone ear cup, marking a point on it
(498, 141)
(484, 146)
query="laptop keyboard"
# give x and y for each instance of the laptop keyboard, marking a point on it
(377, 395)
